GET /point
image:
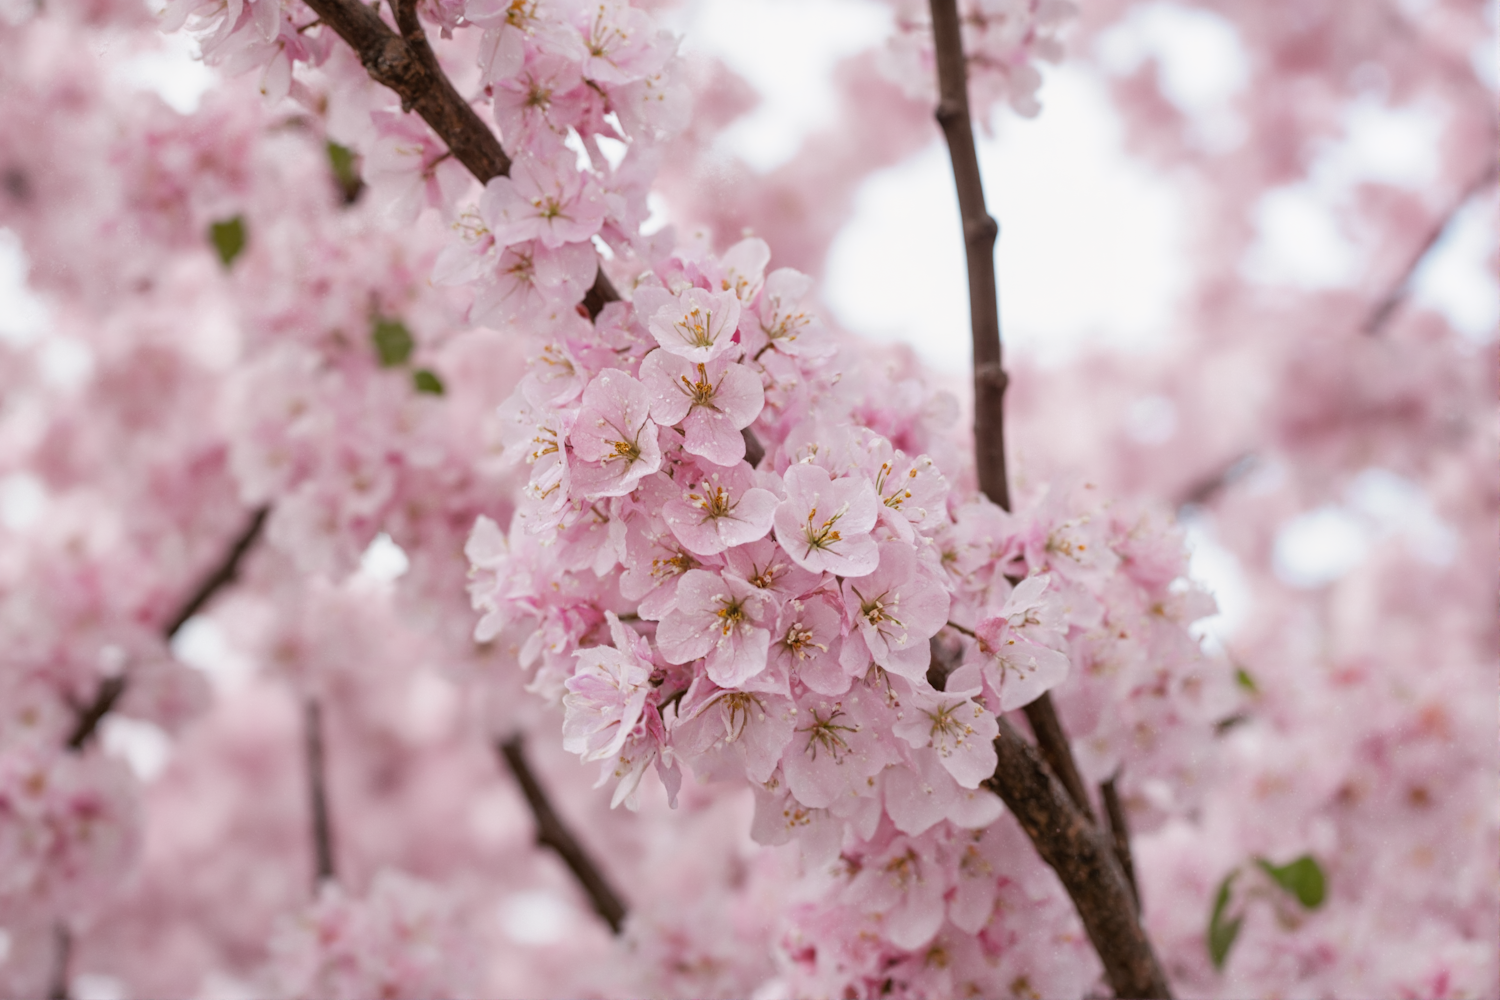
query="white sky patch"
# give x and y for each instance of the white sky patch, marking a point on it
(23, 498)
(23, 314)
(143, 745)
(1319, 547)
(202, 644)
(1201, 62)
(1088, 249)
(1220, 573)
(383, 560)
(1457, 278)
(1301, 241)
(535, 917)
(175, 72)
(787, 50)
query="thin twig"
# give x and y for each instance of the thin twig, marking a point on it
(980, 232)
(62, 956)
(1119, 829)
(317, 792)
(1084, 858)
(112, 688)
(221, 575)
(1052, 741)
(552, 832)
(1386, 307)
(1210, 486)
(408, 66)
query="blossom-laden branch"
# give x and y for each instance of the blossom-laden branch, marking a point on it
(1050, 802)
(1386, 307)
(552, 832)
(317, 791)
(1085, 860)
(407, 65)
(112, 688)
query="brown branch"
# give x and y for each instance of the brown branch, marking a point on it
(1388, 304)
(1084, 858)
(406, 64)
(1055, 813)
(317, 792)
(1210, 486)
(1056, 751)
(980, 232)
(221, 576)
(552, 832)
(1119, 829)
(112, 688)
(62, 955)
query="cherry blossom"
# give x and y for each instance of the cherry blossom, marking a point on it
(824, 523)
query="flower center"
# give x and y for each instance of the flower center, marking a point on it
(822, 536)
(823, 733)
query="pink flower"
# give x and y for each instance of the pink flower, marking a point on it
(905, 885)
(766, 565)
(824, 523)
(613, 431)
(961, 730)
(712, 401)
(529, 280)
(547, 201)
(924, 794)
(744, 266)
(408, 168)
(896, 609)
(733, 734)
(1019, 647)
(837, 748)
(723, 618)
(722, 510)
(607, 694)
(806, 643)
(781, 321)
(533, 108)
(697, 326)
(620, 43)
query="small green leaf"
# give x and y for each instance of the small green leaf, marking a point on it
(228, 237)
(1302, 878)
(342, 161)
(1222, 932)
(1243, 679)
(426, 380)
(392, 342)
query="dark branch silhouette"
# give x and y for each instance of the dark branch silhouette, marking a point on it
(112, 688)
(317, 793)
(1050, 802)
(552, 832)
(1084, 858)
(1392, 299)
(62, 954)
(1209, 487)
(407, 65)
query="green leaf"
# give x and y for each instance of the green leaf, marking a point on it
(228, 237)
(1243, 679)
(426, 380)
(1222, 932)
(342, 161)
(1302, 878)
(392, 342)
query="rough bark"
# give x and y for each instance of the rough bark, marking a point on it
(1119, 829)
(1084, 858)
(552, 832)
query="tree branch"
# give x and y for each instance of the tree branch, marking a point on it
(406, 64)
(552, 832)
(1055, 814)
(1386, 307)
(1057, 752)
(317, 793)
(1084, 858)
(1114, 811)
(980, 232)
(111, 688)
(62, 956)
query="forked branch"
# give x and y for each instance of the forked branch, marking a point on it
(552, 832)
(1084, 858)
(1050, 802)
(406, 64)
